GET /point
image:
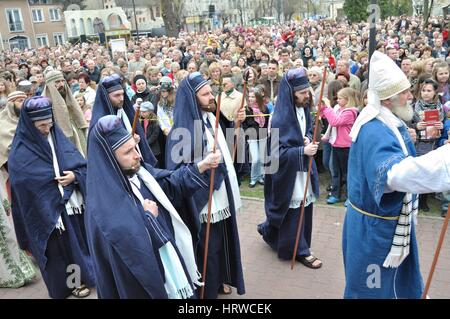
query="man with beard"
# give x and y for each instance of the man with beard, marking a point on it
(48, 186)
(112, 100)
(284, 189)
(379, 242)
(272, 81)
(9, 117)
(67, 112)
(156, 259)
(193, 114)
(16, 269)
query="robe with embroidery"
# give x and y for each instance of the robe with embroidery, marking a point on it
(367, 240)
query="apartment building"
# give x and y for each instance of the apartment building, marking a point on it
(31, 24)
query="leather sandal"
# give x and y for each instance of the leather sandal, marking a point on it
(81, 292)
(309, 261)
(225, 289)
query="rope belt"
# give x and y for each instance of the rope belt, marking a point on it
(372, 215)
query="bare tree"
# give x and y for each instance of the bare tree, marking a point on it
(241, 13)
(270, 8)
(171, 12)
(427, 8)
(290, 7)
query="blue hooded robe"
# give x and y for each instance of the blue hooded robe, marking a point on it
(279, 229)
(102, 106)
(121, 239)
(367, 240)
(37, 204)
(224, 255)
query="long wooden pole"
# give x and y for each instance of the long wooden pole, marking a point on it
(238, 126)
(211, 191)
(137, 113)
(436, 253)
(302, 205)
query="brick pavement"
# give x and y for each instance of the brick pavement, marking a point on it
(268, 277)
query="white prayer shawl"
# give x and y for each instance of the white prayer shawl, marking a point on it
(183, 238)
(220, 207)
(75, 204)
(300, 180)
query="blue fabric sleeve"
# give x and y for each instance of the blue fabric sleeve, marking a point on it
(379, 154)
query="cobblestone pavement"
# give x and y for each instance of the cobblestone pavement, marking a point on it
(268, 277)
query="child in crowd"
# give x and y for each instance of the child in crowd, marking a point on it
(340, 120)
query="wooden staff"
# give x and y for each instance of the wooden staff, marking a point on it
(136, 116)
(211, 191)
(436, 253)
(238, 126)
(302, 205)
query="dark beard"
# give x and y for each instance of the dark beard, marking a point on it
(130, 172)
(16, 111)
(303, 104)
(209, 108)
(62, 91)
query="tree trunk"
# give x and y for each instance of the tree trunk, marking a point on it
(427, 8)
(171, 19)
(152, 14)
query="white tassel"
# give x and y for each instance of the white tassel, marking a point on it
(216, 216)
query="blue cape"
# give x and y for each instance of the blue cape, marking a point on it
(187, 116)
(278, 187)
(36, 200)
(121, 264)
(102, 106)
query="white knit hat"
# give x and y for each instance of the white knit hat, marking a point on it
(15, 95)
(386, 80)
(385, 77)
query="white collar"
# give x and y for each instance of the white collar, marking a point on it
(135, 180)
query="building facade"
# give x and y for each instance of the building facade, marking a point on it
(31, 24)
(83, 24)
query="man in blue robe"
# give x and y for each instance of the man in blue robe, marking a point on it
(284, 189)
(379, 242)
(112, 100)
(48, 185)
(140, 246)
(192, 136)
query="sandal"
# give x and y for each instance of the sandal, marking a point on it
(225, 289)
(309, 261)
(81, 292)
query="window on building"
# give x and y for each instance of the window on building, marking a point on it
(82, 30)
(73, 28)
(38, 15)
(41, 40)
(90, 26)
(41, 1)
(15, 21)
(58, 38)
(19, 42)
(157, 12)
(55, 14)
